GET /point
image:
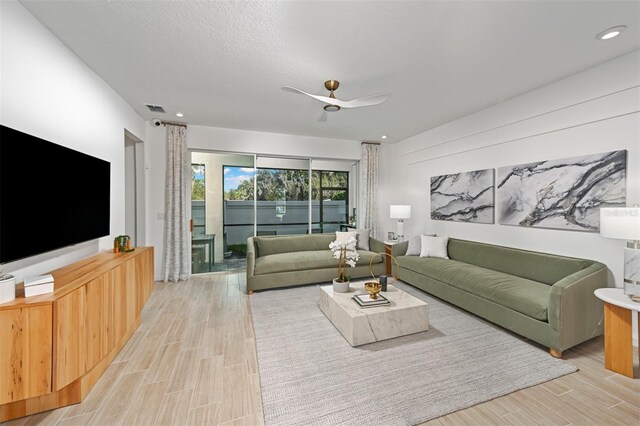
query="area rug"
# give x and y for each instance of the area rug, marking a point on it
(310, 375)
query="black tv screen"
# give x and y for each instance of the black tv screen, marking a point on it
(50, 196)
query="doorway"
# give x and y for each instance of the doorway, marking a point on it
(134, 189)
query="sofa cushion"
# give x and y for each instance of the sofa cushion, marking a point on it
(433, 246)
(306, 260)
(345, 236)
(266, 246)
(541, 267)
(528, 297)
(414, 244)
(362, 235)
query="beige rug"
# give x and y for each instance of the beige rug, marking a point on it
(310, 375)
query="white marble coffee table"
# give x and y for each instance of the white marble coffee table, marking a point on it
(405, 315)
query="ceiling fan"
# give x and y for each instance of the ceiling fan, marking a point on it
(333, 104)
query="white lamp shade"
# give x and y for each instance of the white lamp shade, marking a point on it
(620, 222)
(400, 212)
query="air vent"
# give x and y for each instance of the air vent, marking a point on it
(155, 108)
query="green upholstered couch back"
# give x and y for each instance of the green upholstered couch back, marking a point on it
(291, 243)
(541, 267)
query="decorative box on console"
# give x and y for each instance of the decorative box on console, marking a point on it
(34, 286)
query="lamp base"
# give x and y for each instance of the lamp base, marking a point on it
(400, 234)
(632, 272)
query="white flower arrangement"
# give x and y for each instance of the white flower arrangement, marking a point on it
(345, 252)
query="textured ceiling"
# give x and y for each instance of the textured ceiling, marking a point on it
(224, 63)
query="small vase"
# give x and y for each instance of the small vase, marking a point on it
(340, 287)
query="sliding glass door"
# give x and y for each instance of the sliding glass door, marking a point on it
(235, 197)
(238, 211)
(221, 210)
(330, 200)
(282, 196)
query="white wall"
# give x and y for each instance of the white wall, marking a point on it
(592, 112)
(232, 141)
(47, 91)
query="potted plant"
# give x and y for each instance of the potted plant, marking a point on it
(352, 218)
(345, 252)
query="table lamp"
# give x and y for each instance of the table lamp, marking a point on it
(624, 223)
(400, 212)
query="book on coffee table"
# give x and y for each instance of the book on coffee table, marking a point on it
(365, 300)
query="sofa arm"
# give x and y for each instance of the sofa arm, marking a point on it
(251, 258)
(375, 245)
(378, 246)
(399, 249)
(574, 311)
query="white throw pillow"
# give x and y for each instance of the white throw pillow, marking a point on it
(415, 245)
(434, 246)
(344, 236)
(362, 237)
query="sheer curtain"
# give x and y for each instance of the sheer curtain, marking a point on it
(369, 187)
(176, 245)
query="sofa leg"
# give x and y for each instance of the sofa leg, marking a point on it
(554, 353)
(250, 292)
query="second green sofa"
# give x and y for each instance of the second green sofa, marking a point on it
(544, 297)
(288, 260)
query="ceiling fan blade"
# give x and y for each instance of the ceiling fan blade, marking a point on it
(366, 101)
(323, 99)
(323, 117)
(293, 89)
(354, 103)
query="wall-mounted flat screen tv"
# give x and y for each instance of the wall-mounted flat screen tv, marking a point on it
(50, 196)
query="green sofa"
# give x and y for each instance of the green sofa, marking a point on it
(544, 297)
(287, 260)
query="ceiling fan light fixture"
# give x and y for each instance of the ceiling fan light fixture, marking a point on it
(611, 32)
(331, 85)
(331, 108)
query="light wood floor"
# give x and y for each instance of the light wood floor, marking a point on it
(193, 361)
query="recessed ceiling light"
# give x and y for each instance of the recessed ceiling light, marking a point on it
(179, 114)
(384, 136)
(611, 32)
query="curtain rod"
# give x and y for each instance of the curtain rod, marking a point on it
(370, 143)
(172, 123)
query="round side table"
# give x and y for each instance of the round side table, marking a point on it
(618, 332)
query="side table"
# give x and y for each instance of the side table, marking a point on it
(618, 332)
(388, 246)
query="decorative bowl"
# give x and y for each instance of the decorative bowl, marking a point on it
(373, 288)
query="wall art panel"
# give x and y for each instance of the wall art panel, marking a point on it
(463, 197)
(562, 194)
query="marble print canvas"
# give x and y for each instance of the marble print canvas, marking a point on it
(562, 194)
(463, 197)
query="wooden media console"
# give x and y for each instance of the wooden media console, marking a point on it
(55, 347)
